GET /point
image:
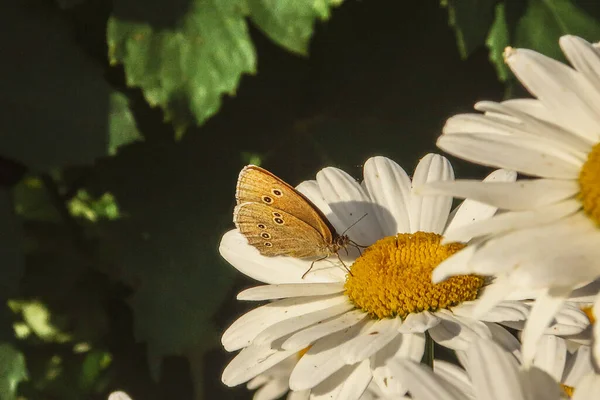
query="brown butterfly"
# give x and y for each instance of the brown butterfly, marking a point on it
(280, 221)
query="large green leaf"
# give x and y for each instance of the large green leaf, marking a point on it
(189, 66)
(185, 64)
(61, 113)
(471, 20)
(12, 371)
(290, 23)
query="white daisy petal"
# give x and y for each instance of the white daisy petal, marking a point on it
(245, 258)
(422, 382)
(494, 372)
(419, 322)
(457, 264)
(372, 340)
(409, 346)
(457, 333)
(311, 190)
(471, 212)
(513, 221)
(551, 356)
(541, 315)
(584, 57)
(271, 292)
(321, 360)
(455, 376)
(578, 366)
(292, 325)
(349, 201)
(524, 154)
(505, 339)
(307, 336)
(540, 385)
(520, 195)
(348, 383)
(299, 395)
(430, 213)
(274, 389)
(250, 362)
(518, 117)
(243, 331)
(588, 388)
(555, 85)
(504, 311)
(569, 320)
(389, 187)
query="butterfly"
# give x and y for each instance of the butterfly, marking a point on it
(280, 221)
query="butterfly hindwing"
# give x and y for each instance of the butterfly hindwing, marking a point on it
(275, 232)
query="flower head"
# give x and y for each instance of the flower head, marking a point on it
(355, 325)
(548, 233)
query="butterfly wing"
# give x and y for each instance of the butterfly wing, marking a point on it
(257, 185)
(277, 233)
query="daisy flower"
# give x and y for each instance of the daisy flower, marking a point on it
(493, 373)
(354, 325)
(549, 236)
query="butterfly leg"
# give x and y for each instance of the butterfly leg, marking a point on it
(347, 269)
(312, 265)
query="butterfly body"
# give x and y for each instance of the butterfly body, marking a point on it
(280, 221)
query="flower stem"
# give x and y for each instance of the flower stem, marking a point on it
(428, 354)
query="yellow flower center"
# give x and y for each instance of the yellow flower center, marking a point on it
(589, 183)
(393, 277)
(589, 312)
(568, 390)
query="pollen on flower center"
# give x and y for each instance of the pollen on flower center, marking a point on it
(393, 277)
(589, 183)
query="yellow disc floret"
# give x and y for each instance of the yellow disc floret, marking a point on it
(393, 277)
(589, 183)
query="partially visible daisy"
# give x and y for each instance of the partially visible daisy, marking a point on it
(492, 373)
(549, 238)
(119, 396)
(356, 324)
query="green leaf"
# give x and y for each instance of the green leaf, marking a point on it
(290, 23)
(471, 20)
(186, 64)
(122, 127)
(12, 371)
(546, 20)
(193, 64)
(497, 41)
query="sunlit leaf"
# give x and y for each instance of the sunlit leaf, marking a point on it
(12, 371)
(290, 23)
(185, 63)
(497, 41)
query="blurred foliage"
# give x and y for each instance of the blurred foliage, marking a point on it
(187, 67)
(532, 24)
(111, 279)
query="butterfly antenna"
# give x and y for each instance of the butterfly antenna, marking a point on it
(356, 222)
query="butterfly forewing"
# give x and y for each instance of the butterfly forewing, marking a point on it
(275, 232)
(257, 185)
